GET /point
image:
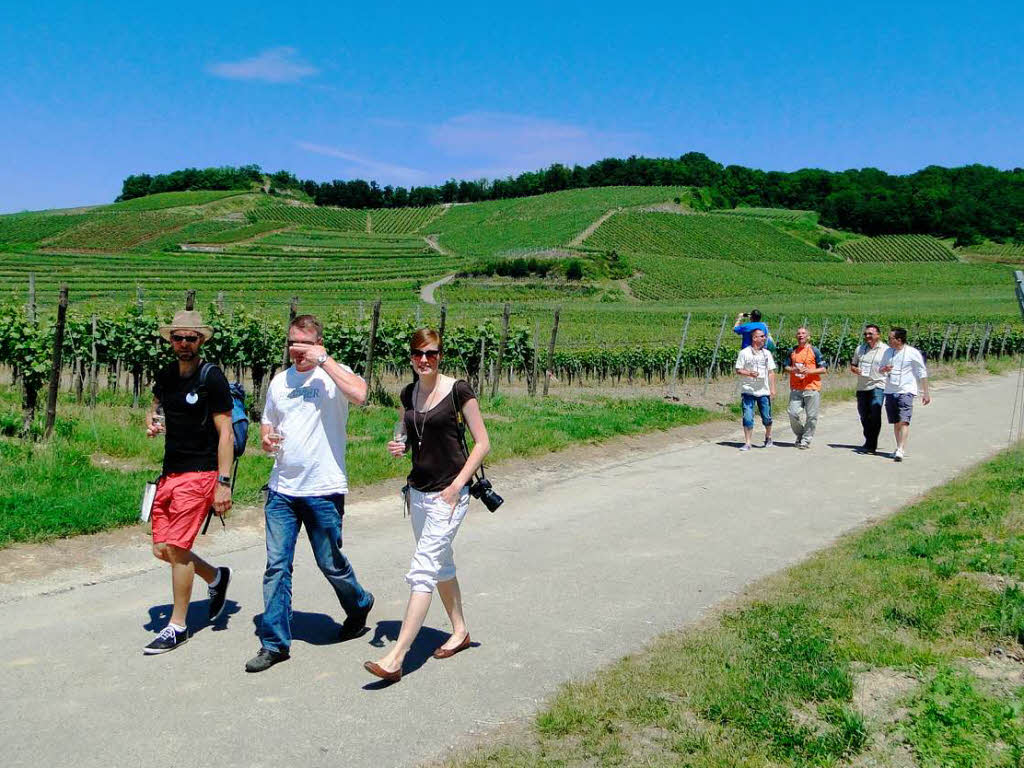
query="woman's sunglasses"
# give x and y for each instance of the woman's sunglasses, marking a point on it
(430, 354)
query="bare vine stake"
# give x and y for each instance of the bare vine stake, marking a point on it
(58, 349)
(1002, 343)
(440, 329)
(501, 349)
(532, 383)
(824, 334)
(970, 343)
(956, 342)
(31, 308)
(714, 357)
(842, 339)
(984, 342)
(679, 358)
(481, 371)
(778, 330)
(293, 310)
(945, 340)
(374, 322)
(418, 320)
(94, 369)
(549, 371)
(220, 302)
(138, 298)
(190, 299)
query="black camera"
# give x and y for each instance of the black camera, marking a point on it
(481, 489)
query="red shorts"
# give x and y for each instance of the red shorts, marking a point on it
(180, 507)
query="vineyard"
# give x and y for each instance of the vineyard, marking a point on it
(347, 219)
(899, 248)
(116, 232)
(725, 238)
(772, 214)
(998, 253)
(171, 200)
(667, 279)
(399, 221)
(235, 233)
(26, 229)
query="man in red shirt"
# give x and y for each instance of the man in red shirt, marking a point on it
(805, 367)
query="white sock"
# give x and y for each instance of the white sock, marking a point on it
(216, 579)
(176, 627)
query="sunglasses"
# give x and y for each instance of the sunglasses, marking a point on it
(430, 354)
(184, 339)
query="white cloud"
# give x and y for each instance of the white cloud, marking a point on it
(500, 144)
(275, 65)
(375, 170)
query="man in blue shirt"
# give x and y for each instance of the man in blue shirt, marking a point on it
(746, 324)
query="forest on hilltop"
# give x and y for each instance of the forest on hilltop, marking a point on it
(967, 203)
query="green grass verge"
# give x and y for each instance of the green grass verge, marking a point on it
(914, 600)
(90, 476)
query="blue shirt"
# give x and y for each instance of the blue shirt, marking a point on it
(746, 330)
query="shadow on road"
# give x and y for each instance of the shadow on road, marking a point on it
(197, 617)
(312, 628)
(423, 647)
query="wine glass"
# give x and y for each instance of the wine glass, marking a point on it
(400, 435)
(276, 437)
(159, 421)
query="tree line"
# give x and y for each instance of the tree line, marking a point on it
(966, 203)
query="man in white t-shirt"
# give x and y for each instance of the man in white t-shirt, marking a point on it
(756, 368)
(904, 371)
(870, 385)
(304, 425)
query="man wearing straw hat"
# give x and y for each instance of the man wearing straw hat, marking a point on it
(198, 454)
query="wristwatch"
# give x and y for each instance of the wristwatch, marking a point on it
(321, 359)
(224, 480)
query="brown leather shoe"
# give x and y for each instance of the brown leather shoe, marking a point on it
(445, 653)
(376, 669)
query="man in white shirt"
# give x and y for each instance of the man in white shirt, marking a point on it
(304, 425)
(756, 368)
(870, 385)
(904, 370)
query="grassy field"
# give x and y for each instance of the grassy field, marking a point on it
(89, 477)
(899, 646)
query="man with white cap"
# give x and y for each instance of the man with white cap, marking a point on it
(198, 454)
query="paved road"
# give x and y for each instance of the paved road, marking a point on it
(573, 572)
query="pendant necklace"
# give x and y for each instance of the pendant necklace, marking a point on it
(415, 423)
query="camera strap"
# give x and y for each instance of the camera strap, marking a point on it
(461, 421)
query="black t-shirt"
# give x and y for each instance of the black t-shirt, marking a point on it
(191, 439)
(438, 461)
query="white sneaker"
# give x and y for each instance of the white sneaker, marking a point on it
(897, 455)
(745, 447)
(768, 442)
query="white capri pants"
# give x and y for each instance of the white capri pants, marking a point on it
(435, 533)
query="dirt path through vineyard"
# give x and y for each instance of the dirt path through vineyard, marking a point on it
(591, 556)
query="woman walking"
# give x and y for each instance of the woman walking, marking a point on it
(438, 494)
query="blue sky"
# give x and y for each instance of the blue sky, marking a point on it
(413, 93)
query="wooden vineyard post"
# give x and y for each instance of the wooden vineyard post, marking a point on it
(419, 321)
(970, 343)
(549, 370)
(778, 331)
(956, 342)
(945, 340)
(31, 306)
(190, 299)
(220, 302)
(824, 334)
(679, 358)
(374, 321)
(481, 371)
(714, 356)
(984, 342)
(94, 369)
(441, 324)
(531, 381)
(138, 298)
(842, 339)
(362, 314)
(58, 348)
(1002, 342)
(293, 309)
(501, 349)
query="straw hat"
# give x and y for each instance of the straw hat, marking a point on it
(185, 320)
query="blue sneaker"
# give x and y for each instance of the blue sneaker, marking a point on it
(169, 639)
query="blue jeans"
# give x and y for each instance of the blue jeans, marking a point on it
(322, 517)
(764, 405)
(869, 407)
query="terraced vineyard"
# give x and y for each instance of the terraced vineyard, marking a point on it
(701, 237)
(896, 248)
(660, 278)
(237, 232)
(31, 228)
(544, 221)
(397, 221)
(776, 214)
(999, 253)
(172, 200)
(346, 219)
(118, 231)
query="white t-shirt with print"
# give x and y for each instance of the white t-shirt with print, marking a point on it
(313, 414)
(761, 363)
(869, 360)
(907, 367)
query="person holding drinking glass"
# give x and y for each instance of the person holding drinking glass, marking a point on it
(304, 425)
(438, 494)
